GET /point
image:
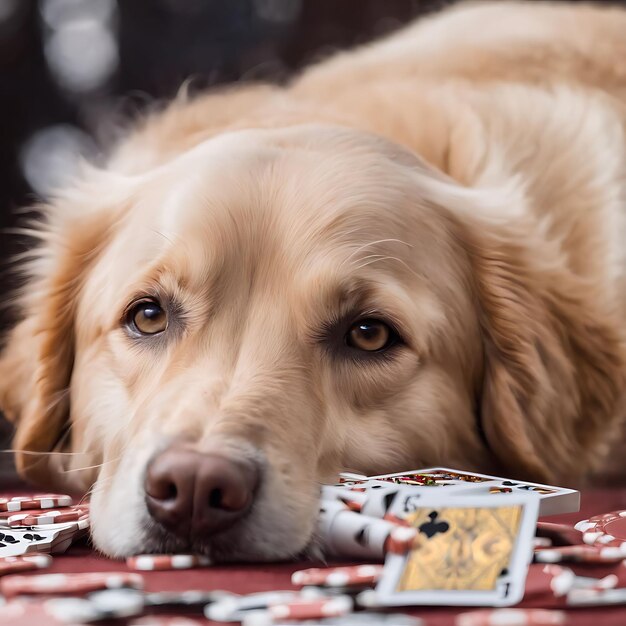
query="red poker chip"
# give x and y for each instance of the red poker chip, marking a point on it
(312, 608)
(401, 540)
(39, 501)
(68, 583)
(605, 530)
(149, 562)
(55, 516)
(511, 617)
(26, 563)
(157, 620)
(338, 576)
(596, 554)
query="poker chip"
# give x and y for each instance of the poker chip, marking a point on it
(553, 579)
(511, 617)
(68, 583)
(15, 564)
(148, 562)
(311, 608)
(40, 501)
(155, 620)
(72, 610)
(605, 530)
(338, 576)
(596, 597)
(57, 516)
(234, 607)
(580, 554)
(184, 598)
(118, 603)
(401, 540)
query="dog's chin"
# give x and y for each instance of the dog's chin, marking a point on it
(235, 545)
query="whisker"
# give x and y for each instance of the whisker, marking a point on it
(88, 467)
(35, 453)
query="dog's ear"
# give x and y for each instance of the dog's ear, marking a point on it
(37, 360)
(551, 393)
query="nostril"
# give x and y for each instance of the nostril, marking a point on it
(162, 489)
(172, 492)
(216, 498)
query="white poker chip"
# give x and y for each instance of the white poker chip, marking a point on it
(118, 603)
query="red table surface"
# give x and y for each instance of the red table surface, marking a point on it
(250, 578)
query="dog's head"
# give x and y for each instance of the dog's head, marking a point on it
(210, 339)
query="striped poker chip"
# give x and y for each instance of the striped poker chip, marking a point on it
(149, 562)
(40, 501)
(511, 617)
(56, 516)
(401, 540)
(580, 554)
(605, 530)
(312, 608)
(76, 584)
(26, 563)
(161, 620)
(338, 576)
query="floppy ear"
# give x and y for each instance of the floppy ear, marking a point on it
(554, 361)
(36, 363)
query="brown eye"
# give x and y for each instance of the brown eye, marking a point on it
(147, 318)
(370, 335)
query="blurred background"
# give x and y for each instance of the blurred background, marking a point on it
(74, 72)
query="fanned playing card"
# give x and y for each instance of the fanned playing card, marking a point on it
(553, 500)
(471, 551)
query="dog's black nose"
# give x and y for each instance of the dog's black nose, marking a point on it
(196, 495)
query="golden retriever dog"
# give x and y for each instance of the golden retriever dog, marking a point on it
(411, 255)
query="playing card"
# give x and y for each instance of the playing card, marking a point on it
(554, 500)
(50, 539)
(471, 551)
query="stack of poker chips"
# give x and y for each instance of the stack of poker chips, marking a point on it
(45, 523)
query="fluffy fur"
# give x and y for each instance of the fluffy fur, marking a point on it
(463, 178)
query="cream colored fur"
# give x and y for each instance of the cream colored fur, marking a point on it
(463, 178)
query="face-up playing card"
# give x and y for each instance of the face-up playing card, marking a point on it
(471, 551)
(53, 538)
(553, 500)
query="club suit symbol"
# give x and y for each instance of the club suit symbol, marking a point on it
(432, 528)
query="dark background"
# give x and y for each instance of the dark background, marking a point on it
(73, 72)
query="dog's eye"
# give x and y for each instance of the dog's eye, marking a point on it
(370, 335)
(147, 317)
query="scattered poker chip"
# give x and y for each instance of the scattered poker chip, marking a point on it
(596, 597)
(311, 608)
(187, 598)
(57, 516)
(338, 576)
(72, 610)
(234, 607)
(605, 530)
(148, 562)
(118, 603)
(553, 579)
(39, 501)
(580, 554)
(155, 620)
(401, 540)
(68, 583)
(26, 563)
(511, 617)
